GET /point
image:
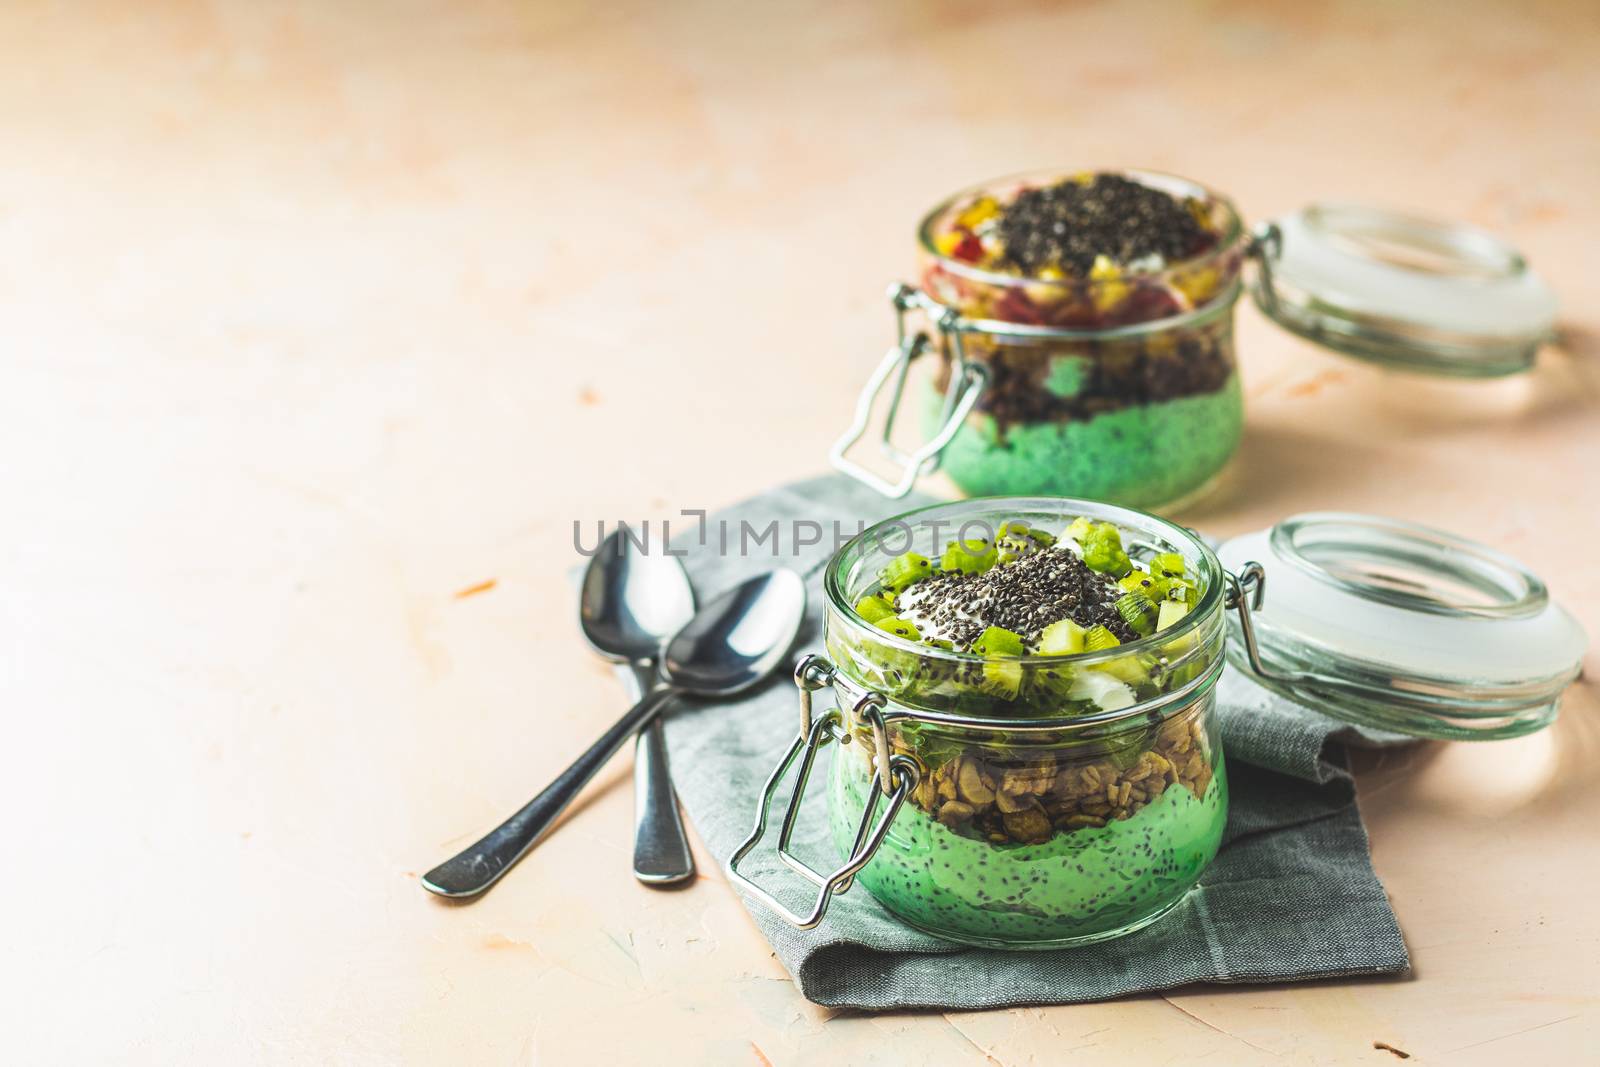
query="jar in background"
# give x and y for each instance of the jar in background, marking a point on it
(1116, 385)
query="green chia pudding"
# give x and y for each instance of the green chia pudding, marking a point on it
(1094, 883)
(1122, 385)
(1143, 456)
(1036, 834)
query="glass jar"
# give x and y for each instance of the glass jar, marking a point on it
(1121, 384)
(1033, 802)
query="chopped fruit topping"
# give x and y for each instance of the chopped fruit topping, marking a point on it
(998, 641)
(1098, 639)
(981, 210)
(1171, 612)
(968, 250)
(948, 242)
(1109, 288)
(1167, 565)
(875, 608)
(1103, 551)
(1139, 611)
(1148, 584)
(899, 627)
(1014, 529)
(1062, 638)
(1001, 677)
(968, 557)
(904, 571)
(1181, 590)
(1027, 592)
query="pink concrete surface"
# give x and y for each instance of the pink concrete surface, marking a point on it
(316, 314)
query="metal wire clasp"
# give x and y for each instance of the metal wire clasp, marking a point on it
(1246, 592)
(962, 393)
(1266, 247)
(895, 776)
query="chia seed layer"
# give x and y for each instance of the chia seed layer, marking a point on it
(1072, 223)
(1023, 596)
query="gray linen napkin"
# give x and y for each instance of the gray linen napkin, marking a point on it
(1290, 896)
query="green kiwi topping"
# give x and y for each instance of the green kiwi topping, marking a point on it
(1025, 593)
(1138, 611)
(904, 571)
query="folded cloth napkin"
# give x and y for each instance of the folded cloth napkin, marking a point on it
(1291, 894)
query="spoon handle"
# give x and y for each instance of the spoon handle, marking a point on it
(661, 855)
(480, 866)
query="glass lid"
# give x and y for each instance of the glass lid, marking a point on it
(1436, 297)
(1400, 627)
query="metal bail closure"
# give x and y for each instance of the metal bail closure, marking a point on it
(962, 393)
(1246, 593)
(896, 776)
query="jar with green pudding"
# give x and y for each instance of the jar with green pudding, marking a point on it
(1053, 781)
(1081, 327)
(1016, 699)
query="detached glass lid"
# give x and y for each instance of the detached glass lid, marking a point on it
(1436, 297)
(1400, 627)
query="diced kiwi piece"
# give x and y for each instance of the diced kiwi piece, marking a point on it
(874, 608)
(1099, 638)
(998, 641)
(1129, 669)
(1051, 686)
(905, 570)
(1080, 529)
(1014, 540)
(1103, 552)
(973, 556)
(1167, 565)
(1021, 530)
(1009, 549)
(1001, 677)
(1135, 579)
(1171, 612)
(940, 642)
(1062, 638)
(899, 627)
(1138, 611)
(1183, 590)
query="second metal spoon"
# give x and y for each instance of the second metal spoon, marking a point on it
(630, 603)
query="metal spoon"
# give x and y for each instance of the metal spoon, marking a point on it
(632, 602)
(730, 645)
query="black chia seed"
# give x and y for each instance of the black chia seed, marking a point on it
(1069, 224)
(1023, 596)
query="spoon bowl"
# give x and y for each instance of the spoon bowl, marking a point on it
(631, 601)
(739, 638)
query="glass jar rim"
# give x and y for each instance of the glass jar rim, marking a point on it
(1232, 237)
(1210, 601)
